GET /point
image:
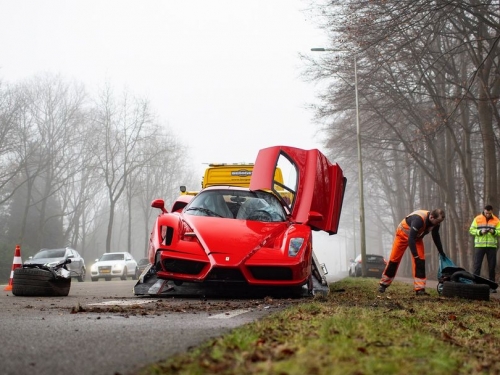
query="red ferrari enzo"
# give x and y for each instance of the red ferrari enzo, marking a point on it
(260, 236)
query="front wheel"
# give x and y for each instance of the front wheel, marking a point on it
(38, 282)
(124, 275)
(81, 278)
(478, 292)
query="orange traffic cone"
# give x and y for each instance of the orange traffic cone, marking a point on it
(16, 263)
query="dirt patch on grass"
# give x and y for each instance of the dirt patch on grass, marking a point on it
(141, 307)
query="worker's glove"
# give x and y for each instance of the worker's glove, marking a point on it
(484, 231)
(492, 231)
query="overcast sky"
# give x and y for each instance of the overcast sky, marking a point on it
(224, 75)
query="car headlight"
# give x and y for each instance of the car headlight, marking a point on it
(294, 246)
(93, 268)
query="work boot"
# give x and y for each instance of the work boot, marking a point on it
(421, 292)
(382, 288)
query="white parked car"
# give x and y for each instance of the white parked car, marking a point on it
(120, 264)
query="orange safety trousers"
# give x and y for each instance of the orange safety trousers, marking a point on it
(398, 249)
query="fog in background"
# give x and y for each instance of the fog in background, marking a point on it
(197, 81)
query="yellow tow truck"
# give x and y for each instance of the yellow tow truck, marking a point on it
(232, 174)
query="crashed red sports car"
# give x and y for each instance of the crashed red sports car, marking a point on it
(261, 236)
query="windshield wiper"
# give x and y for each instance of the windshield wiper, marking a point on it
(204, 210)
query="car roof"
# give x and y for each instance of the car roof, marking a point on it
(225, 187)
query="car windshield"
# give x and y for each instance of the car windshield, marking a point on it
(51, 253)
(111, 256)
(237, 204)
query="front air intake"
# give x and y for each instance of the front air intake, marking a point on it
(188, 267)
(271, 273)
(225, 274)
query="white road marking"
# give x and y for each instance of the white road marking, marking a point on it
(120, 303)
(229, 314)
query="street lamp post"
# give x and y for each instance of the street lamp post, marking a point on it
(360, 164)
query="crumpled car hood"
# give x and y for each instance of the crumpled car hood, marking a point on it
(43, 260)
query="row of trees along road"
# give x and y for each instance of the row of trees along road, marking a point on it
(428, 83)
(80, 170)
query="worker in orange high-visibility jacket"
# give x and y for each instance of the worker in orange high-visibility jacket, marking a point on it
(410, 233)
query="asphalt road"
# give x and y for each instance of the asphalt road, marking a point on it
(101, 328)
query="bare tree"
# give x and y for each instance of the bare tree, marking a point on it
(10, 140)
(428, 84)
(120, 126)
(58, 149)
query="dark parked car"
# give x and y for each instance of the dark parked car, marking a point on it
(52, 256)
(142, 264)
(375, 265)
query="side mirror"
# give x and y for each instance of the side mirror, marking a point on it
(183, 189)
(159, 203)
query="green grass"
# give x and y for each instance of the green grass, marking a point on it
(357, 331)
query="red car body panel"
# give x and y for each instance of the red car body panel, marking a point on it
(320, 189)
(190, 246)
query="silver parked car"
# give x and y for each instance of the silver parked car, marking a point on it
(119, 264)
(51, 256)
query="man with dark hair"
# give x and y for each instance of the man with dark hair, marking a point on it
(485, 228)
(410, 233)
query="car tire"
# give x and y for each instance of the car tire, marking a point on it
(136, 274)
(319, 288)
(124, 274)
(81, 278)
(37, 282)
(456, 276)
(479, 292)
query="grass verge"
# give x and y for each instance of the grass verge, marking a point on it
(355, 330)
